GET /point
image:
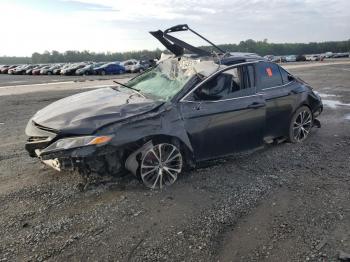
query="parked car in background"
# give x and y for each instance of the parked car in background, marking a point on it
(88, 69)
(300, 58)
(340, 55)
(148, 63)
(133, 66)
(5, 69)
(22, 70)
(44, 69)
(49, 69)
(269, 57)
(279, 59)
(12, 70)
(71, 69)
(328, 54)
(58, 70)
(30, 70)
(36, 70)
(110, 69)
(314, 57)
(291, 58)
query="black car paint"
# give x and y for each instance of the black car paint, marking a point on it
(84, 113)
(208, 129)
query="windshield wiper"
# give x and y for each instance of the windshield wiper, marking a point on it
(135, 89)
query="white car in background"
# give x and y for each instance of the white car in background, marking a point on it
(133, 66)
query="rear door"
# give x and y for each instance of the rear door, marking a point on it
(279, 96)
(225, 114)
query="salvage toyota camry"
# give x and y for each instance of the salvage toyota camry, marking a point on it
(184, 110)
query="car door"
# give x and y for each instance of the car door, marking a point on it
(111, 68)
(279, 95)
(224, 114)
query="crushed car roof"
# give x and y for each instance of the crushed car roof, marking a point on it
(178, 47)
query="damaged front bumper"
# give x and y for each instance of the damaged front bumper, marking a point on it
(96, 155)
(70, 159)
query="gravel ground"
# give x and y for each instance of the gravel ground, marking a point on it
(288, 202)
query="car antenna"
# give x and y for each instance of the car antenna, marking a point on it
(135, 89)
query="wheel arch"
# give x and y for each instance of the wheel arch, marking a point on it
(132, 161)
(156, 138)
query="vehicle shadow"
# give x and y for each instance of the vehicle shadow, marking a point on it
(128, 182)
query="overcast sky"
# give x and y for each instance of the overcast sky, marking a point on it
(29, 26)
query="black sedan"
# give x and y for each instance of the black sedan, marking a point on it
(173, 116)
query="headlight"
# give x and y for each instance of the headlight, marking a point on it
(74, 142)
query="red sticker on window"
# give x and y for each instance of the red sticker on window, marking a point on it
(269, 71)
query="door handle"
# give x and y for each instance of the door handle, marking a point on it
(197, 106)
(256, 105)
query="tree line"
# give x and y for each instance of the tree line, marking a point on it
(260, 47)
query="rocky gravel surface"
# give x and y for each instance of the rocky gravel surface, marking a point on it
(286, 202)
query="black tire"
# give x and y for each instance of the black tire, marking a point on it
(300, 125)
(103, 73)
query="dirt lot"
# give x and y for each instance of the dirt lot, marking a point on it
(289, 202)
(18, 80)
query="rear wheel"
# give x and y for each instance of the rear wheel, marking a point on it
(300, 125)
(161, 165)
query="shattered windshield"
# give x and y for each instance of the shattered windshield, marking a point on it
(165, 80)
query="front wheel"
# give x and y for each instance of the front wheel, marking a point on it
(160, 165)
(301, 124)
(103, 72)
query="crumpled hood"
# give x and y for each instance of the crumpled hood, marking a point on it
(85, 112)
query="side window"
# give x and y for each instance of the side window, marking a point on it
(269, 75)
(286, 77)
(215, 89)
(232, 83)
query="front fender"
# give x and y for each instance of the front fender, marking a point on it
(164, 123)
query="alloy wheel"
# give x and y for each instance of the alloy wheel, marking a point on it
(161, 165)
(302, 125)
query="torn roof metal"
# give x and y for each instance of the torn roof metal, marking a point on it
(177, 46)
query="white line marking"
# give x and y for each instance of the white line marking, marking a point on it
(99, 86)
(41, 84)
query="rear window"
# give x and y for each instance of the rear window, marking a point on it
(269, 75)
